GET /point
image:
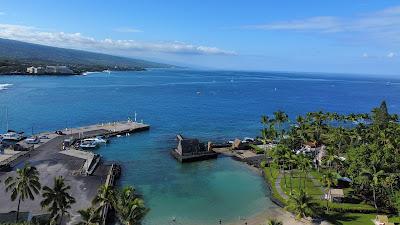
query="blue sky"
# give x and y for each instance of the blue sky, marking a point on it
(358, 36)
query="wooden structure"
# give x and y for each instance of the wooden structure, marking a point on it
(334, 195)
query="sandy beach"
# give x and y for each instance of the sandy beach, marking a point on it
(276, 213)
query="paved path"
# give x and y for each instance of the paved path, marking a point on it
(279, 188)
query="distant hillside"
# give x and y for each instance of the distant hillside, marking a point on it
(15, 56)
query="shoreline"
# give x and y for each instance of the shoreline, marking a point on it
(83, 73)
(275, 211)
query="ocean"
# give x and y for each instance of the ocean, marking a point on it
(209, 105)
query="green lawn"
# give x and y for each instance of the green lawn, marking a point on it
(315, 189)
(312, 188)
(271, 174)
(356, 219)
(351, 219)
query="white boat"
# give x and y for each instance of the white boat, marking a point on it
(12, 136)
(97, 140)
(32, 140)
(88, 145)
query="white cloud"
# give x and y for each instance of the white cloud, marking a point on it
(365, 55)
(391, 54)
(324, 23)
(79, 41)
(127, 30)
(382, 25)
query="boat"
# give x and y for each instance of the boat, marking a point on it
(32, 140)
(12, 136)
(88, 145)
(97, 140)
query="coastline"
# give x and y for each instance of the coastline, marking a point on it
(276, 211)
(81, 73)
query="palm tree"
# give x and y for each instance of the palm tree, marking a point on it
(130, 208)
(57, 200)
(304, 163)
(105, 196)
(302, 129)
(25, 185)
(330, 157)
(280, 153)
(374, 175)
(329, 179)
(291, 160)
(90, 216)
(318, 124)
(280, 117)
(301, 204)
(274, 222)
(338, 138)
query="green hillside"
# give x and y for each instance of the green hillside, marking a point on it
(15, 56)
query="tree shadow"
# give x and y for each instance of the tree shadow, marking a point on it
(338, 218)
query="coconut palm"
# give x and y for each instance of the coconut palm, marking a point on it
(90, 216)
(302, 129)
(304, 163)
(280, 118)
(279, 154)
(274, 222)
(301, 204)
(317, 125)
(291, 160)
(374, 175)
(57, 200)
(105, 196)
(130, 208)
(25, 185)
(329, 179)
(330, 157)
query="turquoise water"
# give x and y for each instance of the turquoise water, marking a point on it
(205, 104)
(195, 193)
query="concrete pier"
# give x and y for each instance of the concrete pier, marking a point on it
(51, 161)
(7, 161)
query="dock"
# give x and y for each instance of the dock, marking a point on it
(110, 129)
(84, 171)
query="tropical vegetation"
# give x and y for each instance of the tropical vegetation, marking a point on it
(24, 186)
(315, 151)
(125, 202)
(128, 205)
(57, 200)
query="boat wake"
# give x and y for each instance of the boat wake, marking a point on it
(4, 86)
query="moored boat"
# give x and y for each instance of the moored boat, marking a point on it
(88, 144)
(12, 136)
(97, 140)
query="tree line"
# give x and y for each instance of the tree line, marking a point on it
(364, 147)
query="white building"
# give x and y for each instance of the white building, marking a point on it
(34, 70)
(31, 69)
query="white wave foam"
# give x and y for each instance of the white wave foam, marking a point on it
(4, 86)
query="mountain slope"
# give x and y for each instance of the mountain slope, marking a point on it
(18, 52)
